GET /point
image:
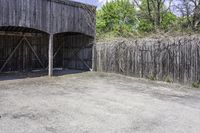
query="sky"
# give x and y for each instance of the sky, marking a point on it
(97, 3)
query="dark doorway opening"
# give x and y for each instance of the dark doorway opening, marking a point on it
(23, 49)
(73, 51)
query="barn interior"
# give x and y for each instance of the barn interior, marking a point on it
(73, 51)
(26, 50)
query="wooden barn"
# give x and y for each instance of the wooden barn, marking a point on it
(46, 34)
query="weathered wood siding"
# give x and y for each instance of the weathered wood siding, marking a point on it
(177, 59)
(48, 16)
(75, 23)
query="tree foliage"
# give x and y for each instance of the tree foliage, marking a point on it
(189, 10)
(132, 17)
(117, 16)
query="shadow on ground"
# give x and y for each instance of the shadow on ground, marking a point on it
(34, 74)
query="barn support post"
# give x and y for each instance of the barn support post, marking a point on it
(51, 55)
(94, 54)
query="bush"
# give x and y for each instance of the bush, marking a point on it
(145, 26)
(168, 79)
(151, 77)
(195, 85)
(168, 20)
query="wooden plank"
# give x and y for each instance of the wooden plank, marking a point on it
(37, 14)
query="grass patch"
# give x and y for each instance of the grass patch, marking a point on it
(151, 77)
(195, 85)
(168, 79)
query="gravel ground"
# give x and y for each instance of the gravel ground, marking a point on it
(97, 103)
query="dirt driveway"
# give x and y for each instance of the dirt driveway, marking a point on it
(97, 103)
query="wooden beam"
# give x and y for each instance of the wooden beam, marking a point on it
(94, 54)
(84, 63)
(51, 55)
(54, 55)
(32, 49)
(11, 55)
(7, 33)
(57, 51)
(75, 53)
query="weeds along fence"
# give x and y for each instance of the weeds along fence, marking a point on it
(170, 59)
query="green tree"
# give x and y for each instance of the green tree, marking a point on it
(168, 20)
(118, 17)
(145, 26)
(189, 10)
(154, 14)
